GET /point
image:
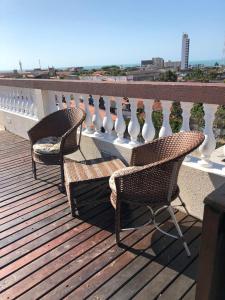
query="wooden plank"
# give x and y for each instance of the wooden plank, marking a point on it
(142, 258)
(155, 287)
(150, 269)
(56, 232)
(183, 282)
(52, 263)
(77, 276)
(190, 295)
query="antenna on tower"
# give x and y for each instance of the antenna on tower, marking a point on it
(39, 61)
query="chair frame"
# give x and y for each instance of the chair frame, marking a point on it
(122, 175)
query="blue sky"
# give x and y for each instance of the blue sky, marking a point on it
(97, 32)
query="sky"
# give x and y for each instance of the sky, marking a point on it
(64, 33)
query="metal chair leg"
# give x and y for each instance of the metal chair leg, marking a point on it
(171, 212)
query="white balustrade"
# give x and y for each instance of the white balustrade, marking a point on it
(120, 125)
(96, 118)
(59, 102)
(88, 119)
(148, 130)
(36, 103)
(209, 144)
(107, 120)
(67, 99)
(186, 108)
(166, 109)
(77, 98)
(134, 126)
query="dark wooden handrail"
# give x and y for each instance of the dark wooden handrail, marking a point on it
(212, 93)
(211, 273)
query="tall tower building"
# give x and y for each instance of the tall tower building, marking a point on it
(21, 68)
(185, 51)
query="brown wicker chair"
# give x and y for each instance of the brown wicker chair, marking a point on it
(64, 124)
(151, 179)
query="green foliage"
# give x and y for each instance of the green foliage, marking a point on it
(202, 75)
(168, 76)
(176, 117)
(220, 117)
(105, 68)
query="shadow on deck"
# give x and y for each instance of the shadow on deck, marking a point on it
(47, 254)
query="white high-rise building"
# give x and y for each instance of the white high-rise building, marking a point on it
(185, 51)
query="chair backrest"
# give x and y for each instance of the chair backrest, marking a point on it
(166, 148)
(156, 181)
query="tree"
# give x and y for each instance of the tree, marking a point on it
(168, 76)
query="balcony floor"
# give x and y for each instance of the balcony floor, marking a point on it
(47, 254)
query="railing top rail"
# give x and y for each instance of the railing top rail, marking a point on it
(213, 93)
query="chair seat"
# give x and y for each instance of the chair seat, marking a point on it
(47, 145)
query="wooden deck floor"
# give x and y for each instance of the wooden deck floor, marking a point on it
(47, 254)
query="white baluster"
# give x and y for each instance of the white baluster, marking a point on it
(107, 120)
(7, 100)
(68, 99)
(31, 103)
(35, 106)
(209, 144)
(120, 125)
(59, 100)
(186, 108)
(77, 100)
(165, 129)
(88, 120)
(148, 130)
(96, 118)
(26, 102)
(22, 102)
(14, 100)
(134, 126)
(18, 101)
(9, 106)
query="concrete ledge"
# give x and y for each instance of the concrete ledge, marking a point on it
(15, 123)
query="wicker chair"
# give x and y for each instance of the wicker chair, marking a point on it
(62, 124)
(151, 179)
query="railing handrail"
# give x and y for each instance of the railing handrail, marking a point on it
(212, 93)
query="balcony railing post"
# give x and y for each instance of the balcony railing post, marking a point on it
(107, 120)
(120, 125)
(68, 99)
(134, 126)
(166, 109)
(211, 267)
(148, 130)
(77, 98)
(41, 99)
(96, 118)
(88, 121)
(186, 108)
(209, 144)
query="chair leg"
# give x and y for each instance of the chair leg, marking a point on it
(62, 177)
(34, 169)
(171, 212)
(82, 154)
(117, 223)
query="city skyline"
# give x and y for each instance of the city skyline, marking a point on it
(90, 33)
